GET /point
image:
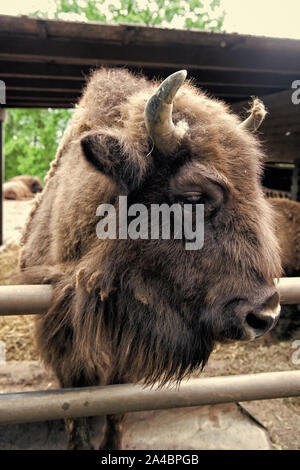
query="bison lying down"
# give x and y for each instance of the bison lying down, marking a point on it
(22, 187)
(144, 309)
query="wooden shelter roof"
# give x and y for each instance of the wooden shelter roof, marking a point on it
(44, 62)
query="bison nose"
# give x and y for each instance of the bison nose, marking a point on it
(259, 320)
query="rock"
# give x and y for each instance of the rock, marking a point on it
(214, 427)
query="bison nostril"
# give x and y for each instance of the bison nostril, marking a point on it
(247, 320)
(258, 324)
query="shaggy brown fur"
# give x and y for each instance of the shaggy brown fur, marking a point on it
(129, 310)
(288, 233)
(22, 187)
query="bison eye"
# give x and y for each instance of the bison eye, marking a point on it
(191, 198)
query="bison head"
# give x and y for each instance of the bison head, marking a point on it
(36, 185)
(163, 305)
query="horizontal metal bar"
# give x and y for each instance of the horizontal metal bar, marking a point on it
(289, 290)
(25, 299)
(113, 399)
(36, 299)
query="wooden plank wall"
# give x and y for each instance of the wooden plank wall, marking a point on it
(280, 132)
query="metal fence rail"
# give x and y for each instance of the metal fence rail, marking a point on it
(25, 299)
(90, 401)
(35, 299)
(289, 290)
(112, 399)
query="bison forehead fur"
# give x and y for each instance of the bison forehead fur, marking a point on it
(145, 308)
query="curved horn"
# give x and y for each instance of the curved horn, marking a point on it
(257, 115)
(158, 112)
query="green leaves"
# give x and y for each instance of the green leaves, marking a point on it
(204, 14)
(91, 9)
(190, 14)
(31, 139)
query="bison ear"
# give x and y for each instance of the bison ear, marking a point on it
(107, 155)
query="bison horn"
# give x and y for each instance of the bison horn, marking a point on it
(257, 115)
(158, 112)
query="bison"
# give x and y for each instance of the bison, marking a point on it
(288, 234)
(150, 310)
(22, 187)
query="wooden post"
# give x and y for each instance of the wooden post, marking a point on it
(2, 119)
(295, 188)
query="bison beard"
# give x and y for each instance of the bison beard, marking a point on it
(119, 334)
(131, 310)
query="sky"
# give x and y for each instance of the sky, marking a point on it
(276, 18)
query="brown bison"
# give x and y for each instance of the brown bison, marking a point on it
(288, 234)
(22, 187)
(149, 309)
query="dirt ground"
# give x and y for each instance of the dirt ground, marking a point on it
(281, 417)
(16, 331)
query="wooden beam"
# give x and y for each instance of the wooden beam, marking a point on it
(23, 97)
(40, 104)
(99, 43)
(45, 70)
(16, 83)
(2, 119)
(25, 25)
(40, 93)
(75, 87)
(54, 71)
(188, 56)
(132, 34)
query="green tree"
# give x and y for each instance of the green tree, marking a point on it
(90, 9)
(204, 14)
(31, 138)
(32, 135)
